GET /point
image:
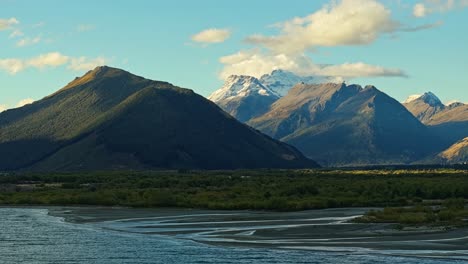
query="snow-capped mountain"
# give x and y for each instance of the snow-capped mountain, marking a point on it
(282, 81)
(244, 97)
(449, 121)
(424, 106)
(241, 86)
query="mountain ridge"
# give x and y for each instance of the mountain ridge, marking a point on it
(342, 125)
(246, 97)
(112, 119)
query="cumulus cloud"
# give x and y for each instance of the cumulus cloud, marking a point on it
(256, 63)
(25, 102)
(212, 35)
(8, 23)
(27, 41)
(428, 7)
(341, 23)
(52, 59)
(349, 22)
(84, 63)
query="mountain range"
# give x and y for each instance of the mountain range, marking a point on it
(112, 119)
(246, 97)
(347, 125)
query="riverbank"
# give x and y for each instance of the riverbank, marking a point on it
(317, 230)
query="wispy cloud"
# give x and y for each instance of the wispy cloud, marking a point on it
(8, 23)
(85, 27)
(84, 63)
(212, 35)
(428, 7)
(16, 33)
(28, 41)
(11, 65)
(256, 63)
(39, 24)
(52, 59)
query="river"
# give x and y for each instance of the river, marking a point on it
(33, 235)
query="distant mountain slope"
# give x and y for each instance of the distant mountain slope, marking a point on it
(347, 125)
(111, 119)
(455, 154)
(450, 122)
(458, 153)
(425, 106)
(456, 112)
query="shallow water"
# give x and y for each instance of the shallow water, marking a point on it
(33, 236)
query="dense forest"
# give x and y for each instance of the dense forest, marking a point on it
(282, 190)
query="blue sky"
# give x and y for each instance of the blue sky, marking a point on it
(419, 46)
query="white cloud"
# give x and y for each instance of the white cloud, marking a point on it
(428, 7)
(84, 63)
(25, 102)
(52, 59)
(12, 66)
(38, 25)
(28, 41)
(16, 33)
(85, 27)
(360, 69)
(21, 103)
(256, 63)
(212, 35)
(341, 23)
(8, 23)
(349, 22)
(419, 10)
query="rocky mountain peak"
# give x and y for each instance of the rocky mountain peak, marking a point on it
(241, 86)
(431, 99)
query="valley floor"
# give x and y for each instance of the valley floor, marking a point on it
(277, 190)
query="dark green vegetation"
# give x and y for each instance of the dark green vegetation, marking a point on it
(452, 212)
(347, 125)
(260, 189)
(110, 119)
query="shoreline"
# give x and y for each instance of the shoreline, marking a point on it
(320, 230)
